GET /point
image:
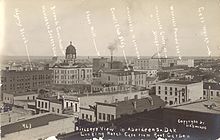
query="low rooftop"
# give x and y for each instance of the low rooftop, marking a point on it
(212, 86)
(201, 106)
(180, 82)
(124, 73)
(33, 122)
(22, 93)
(127, 107)
(52, 99)
(67, 66)
(106, 93)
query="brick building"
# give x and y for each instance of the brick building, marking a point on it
(23, 81)
(178, 92)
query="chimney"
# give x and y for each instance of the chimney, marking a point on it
(111, 59)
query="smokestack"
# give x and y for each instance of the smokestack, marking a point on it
(111, 48)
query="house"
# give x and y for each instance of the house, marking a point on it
(177, 92)
(36, 127)
(108, 112)
(211, 90)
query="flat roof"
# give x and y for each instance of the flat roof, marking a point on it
(200, 106)
(52, 99)
(107, 104)
(107, 93)
(89, 109)
(67, 66)
(22, 93)
(34, 122)
(143, 103)
(180, 82)
(124, 73)
(213, 86)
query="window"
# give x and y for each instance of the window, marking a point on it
(170, 88)
(66, 104)
(45, 105)
(104, 116)
(83, 116)
(76, 107)
(135, 96)
(171, 102)
(217, 93)
(87, 117)
(175, 99)
(90, 117)
(165, 88)
(165, 92)
(42, 104)
(165, 98)
(109, 78)
(53, 110)
(38, 103)
(183, 89)
(171, 93)
(100, 115)
(112, 117)
(183, 94)
(211, 93)
(71, 104)
(33, 97)
(158, 92)
(58, 111)
(108, 117)
(175, 93)
(175, 89)
(159, 87)
(204, 93)
(28, 98)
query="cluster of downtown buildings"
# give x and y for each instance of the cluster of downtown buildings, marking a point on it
(64, 92)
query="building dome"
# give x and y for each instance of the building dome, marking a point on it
(70, 49)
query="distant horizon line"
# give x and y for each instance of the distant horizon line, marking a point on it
(100, 56)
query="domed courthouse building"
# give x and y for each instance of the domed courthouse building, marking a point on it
(70, 72)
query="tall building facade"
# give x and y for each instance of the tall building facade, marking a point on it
(154, 63)
(17, 82)
(178, 92)
(69, 72)
(124, 78)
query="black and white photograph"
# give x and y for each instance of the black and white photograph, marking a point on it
(110, 69)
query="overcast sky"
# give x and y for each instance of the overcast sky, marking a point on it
(71, 15)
